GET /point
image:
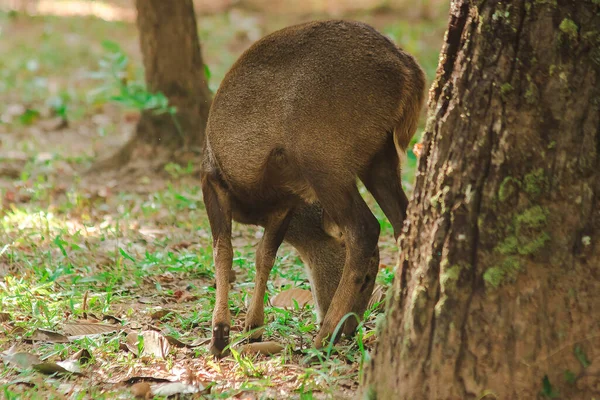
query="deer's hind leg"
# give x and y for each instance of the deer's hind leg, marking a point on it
(382, 179)
(275, 228)
(218, 208)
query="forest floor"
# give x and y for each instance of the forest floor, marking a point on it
(107, 285)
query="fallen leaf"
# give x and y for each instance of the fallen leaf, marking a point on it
(135, 379)
(181, 245)
(162, 313)
(43, 335)
(148, 300)
(21, 360)
(178, 343)
(82, 329)
(111, 319)
(153, 344)
(286, 298)
(60, 367)
(4, 317)
(174, 388)
(18, 330)
(418, 149)
(266, 348)
(183, 296)
(377, 297)
(141, 390)
(83, 356)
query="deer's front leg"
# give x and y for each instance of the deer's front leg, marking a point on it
(218, 208)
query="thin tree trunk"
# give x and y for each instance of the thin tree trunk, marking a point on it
(497, 295)
(173, 66)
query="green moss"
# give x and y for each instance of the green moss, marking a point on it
(532, 218)
(569, 28)
(449, 277)
(510, 245)
(534, 244)
(535, 182)
(505, 89)
(508, 188)
(505, 272)
(532, 93)
(529, 232)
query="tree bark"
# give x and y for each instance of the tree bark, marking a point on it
(173, 66)
(497, 292)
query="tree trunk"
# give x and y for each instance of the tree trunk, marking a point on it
(174, 67)
(497, 294)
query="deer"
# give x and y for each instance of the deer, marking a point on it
(300, 117)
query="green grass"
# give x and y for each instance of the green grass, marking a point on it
(74, 249)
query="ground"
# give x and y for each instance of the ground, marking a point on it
(97, 257)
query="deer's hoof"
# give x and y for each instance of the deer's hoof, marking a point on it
(322, 339)
(220, 340)
(256, 335)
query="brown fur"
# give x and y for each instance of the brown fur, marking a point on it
(299, 117)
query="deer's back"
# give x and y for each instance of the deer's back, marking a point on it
(323, 94)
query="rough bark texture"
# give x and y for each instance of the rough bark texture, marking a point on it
(173, 65)
(497, 294)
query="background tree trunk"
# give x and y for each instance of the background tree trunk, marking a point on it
(497, 294)
(173, 66)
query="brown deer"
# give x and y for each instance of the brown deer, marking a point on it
(299, 117)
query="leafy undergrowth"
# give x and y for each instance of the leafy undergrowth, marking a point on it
(106, 287)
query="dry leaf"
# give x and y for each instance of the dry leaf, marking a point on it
(174, 388)
(418, 149)
(21, 360)
(18, 330)
(141, 390)
(154, 344)
(162, 313)
(181, 245)
(4, 317)
(178, 343)
(111, 319)
(60, 367)
(377, 297)
(83, 356)
(266, 348)
(148, 300)
(183, 296)
(43, 335)
(80, 329)
(286, 298)
(135, 379)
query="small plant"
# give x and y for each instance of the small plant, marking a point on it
(121, 86)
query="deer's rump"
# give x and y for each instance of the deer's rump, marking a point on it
(299, 106)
